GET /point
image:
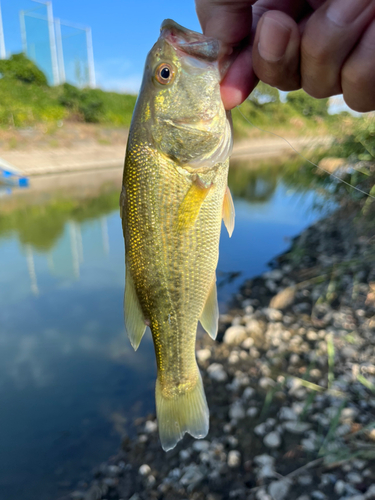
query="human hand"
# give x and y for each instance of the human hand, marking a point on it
(326, 47)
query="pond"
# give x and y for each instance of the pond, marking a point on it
(70, 383)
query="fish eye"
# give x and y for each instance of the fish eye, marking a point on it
(164, 73)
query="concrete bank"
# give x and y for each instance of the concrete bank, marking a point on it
(96, 157)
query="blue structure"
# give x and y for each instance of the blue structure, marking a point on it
(10, 176)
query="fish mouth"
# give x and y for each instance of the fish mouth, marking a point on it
(190, 42)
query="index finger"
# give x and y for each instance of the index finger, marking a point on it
(230, 22)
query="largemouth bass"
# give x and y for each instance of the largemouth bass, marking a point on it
(173, 199)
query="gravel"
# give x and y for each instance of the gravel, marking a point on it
(288, 409)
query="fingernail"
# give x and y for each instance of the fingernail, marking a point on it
(344, 12)
(273, 39)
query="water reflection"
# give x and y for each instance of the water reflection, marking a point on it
(69, 380)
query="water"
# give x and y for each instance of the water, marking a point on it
(69, 381)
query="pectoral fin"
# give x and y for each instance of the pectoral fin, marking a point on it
(228, 212)
(134, 320)
(210, 316)
(191, 204)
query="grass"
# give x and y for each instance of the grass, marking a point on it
(369, 385)
(333, 449)
(23, 104)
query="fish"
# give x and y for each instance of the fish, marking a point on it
(173, 199)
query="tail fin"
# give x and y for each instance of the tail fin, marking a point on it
(187, 412)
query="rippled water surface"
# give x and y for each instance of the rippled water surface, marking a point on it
(69, 381)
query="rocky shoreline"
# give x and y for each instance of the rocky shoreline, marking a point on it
(290, 385)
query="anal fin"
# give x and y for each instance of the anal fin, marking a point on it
(134, 320)
(228, 212)
(210, 316)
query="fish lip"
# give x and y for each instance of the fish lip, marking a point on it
(190, 42)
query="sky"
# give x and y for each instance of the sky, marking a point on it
(123, 32)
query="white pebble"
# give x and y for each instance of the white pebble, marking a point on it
(184, 454)
(311, 335)
(252, 412)
(296, 427)
(203, 355)
(235, 335)
(261, 429)
(308, 444)
(248, 393)
(151, 480)
(340, 487)
(216, 372)
(234, 459)
(272, 440)
(354, 478)
(348, 414)
(273, 314)
(273, 274)
(279, 489)
(233, 358)
(247, 343)
(201, 445)
(150, 426)
(370, 493)
(236, 410)
(266, 383)
(261, 494)
(286, 413)
(144, 470)
(264, 459)
(294, 359)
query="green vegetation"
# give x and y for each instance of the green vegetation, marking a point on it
(359, 143)
(300, 114)
(18, 67)
(306, 105)
(356, 146)
(41, 225)
(97, 106)
(26, 99)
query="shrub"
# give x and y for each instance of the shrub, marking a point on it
(20, 68)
